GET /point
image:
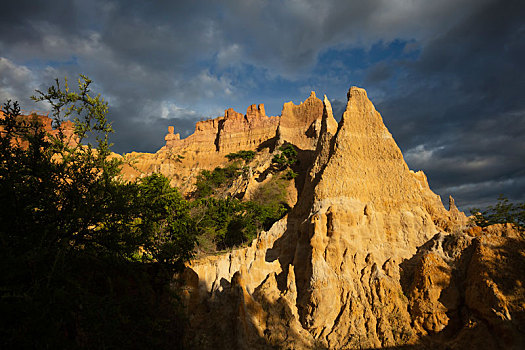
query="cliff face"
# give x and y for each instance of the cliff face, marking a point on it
(45, 123)
(300, 125)
(367, 212)
(182, 159)
(367, 258)
(229, 133)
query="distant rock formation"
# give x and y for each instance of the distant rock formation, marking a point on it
(229, 133)
(67, 128)
(171, 138)
(300, 125)
(181, 159)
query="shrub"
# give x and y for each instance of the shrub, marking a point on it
(290, 175)
(222, 220)
(287, 157)
(229, 222)
(501, 213)
(244, 155)
(289, 152)
(72, 234)
(208, 181)
(269, 202)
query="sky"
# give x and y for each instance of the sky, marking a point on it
(447, 76)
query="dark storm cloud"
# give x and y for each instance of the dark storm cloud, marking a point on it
(459, 112)
(446, 75)
(288, 36)
(140, 57)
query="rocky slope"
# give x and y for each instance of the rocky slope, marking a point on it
(367, 258)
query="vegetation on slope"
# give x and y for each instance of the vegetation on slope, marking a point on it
(224, 222)
(87, 258)
(285, 160)
(217, 181)
(244, 155)
(503, 212)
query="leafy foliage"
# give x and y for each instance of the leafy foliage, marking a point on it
(163, 218)
(503, 212)
(208, 181)
(244, 155)
(290, 175)
(230, 222)
(287, 157)
(75, 238)
(225, 222)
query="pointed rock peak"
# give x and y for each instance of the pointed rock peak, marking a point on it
(367, 165)
(355, 91)
(262, 111)
(327, 105)
(231, 113)
(252, 111)
(171, 137)
(360, 112)
(331, 123)
(256, 111)
(296, 122)
(451, 203)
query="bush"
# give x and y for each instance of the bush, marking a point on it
(228, 222)
(77, 242)
(244, 155)
(290, 175)
(501, 213)
(286, 158)
(208, 181)
(163, 218)
(222, 219)
(270, 199)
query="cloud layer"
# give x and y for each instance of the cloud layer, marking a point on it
(447, 76)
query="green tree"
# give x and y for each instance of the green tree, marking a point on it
(163, 217)
(78, 245)
(243, 154)
(503, 212)
(209, 181)
(287, 157)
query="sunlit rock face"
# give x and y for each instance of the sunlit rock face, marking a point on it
(367, 258)
(182, 159)
(300, 124)
(66, 128)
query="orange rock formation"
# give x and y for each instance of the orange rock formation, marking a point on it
(367, 258)
(182, 159)
(44, 122)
